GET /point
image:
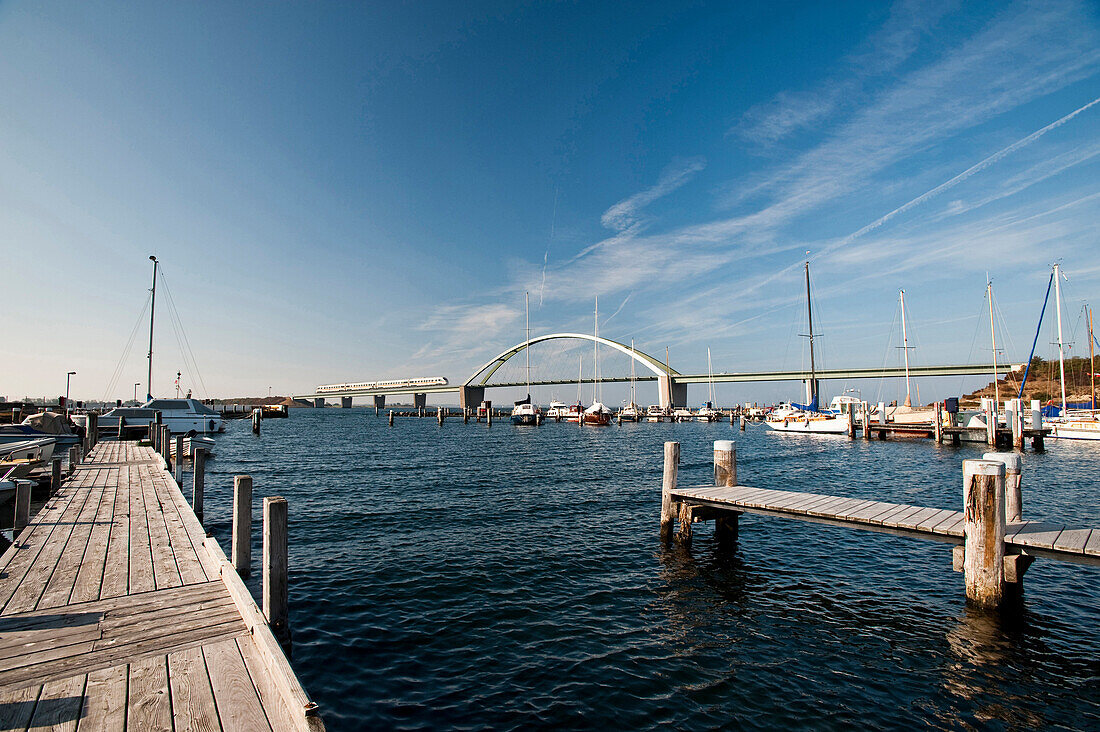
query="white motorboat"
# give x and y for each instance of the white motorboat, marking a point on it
(682, 414)
(179, 415)
(39, 449)
(630, 413)
(557, 411)
(192, 443)
(657, 413)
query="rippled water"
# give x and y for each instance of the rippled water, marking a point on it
(508, 577)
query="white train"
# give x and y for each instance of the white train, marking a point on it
(396, 384)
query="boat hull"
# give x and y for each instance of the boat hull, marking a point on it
(810, 425)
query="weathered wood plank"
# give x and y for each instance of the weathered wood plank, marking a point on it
(238, 703)
(926, 524)
(165, 570)
(192, 697)
(59, 704)
(1038, 534)
(89, 578)
(63, 578)
(17, 707)
(116, 568)
(141, 554)
(1073, 540)
(148, 705)
(896, 511)
(105, 699)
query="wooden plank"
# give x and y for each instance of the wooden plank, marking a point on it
(279, 715)
(105, 699)
(849, 511)
(238, 702)
(1039, 534)
(148, 705)
(116, 569)
(141, 554)
(951, 526)
(914, 521)
(927, 524)
(897, 510)
(59, 705)
(192, 697)
(895, 518)
(17, 706)
(866, 513)
(829, 508)
(190, 567)
(1073, 540)
(165, 570)
(63, 579)
(89, 578)
(1093, 545)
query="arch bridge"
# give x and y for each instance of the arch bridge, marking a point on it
(671, 384)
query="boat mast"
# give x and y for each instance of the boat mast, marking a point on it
(710, 380)
(596, 354)
(905, 349)
(632, 372)
(152, 310)
(527, 348)
(993, 338)
(1092, 368)
(810, 335)
(1061, 350)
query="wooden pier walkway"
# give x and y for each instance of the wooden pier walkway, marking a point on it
(1039, 538)
(118, 612)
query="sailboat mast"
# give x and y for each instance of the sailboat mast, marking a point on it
(632, 386)
(905, 349)
(993, 338)
(710, 379)
(596, 355)
(1092, 367)
(810, 318)
(152, 311)
(527, 348)
(1061, 350)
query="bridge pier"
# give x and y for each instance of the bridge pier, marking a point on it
(379, 402)
(469, 397)
(420, 400)
(670, 394)
(319, 402)
(345, 402)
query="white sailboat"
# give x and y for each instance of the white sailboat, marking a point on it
(523, 411)
(707, 412)
(598, 414)
(631, 412)
(906, 414)
(807, 417)
(1073, 424)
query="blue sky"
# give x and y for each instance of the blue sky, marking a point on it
(344, 191)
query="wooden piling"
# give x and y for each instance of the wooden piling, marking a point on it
(198, 482)
(257, 417)
(242, 524)
(743, 422)
(121, 428)
(93, 430)
(179, 459)
(725, 474)
(991, 423)
(439, 415)
(937, 423)
(275, 567)
(851, 424)
(1014, 504)
(984, 529)
(1018, 427)
(489, 416)
(668, 484)
(391, 418)
(22, 505)
(865, 417)
(55, 475)
(74, 458)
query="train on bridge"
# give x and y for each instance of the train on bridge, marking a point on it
(395, 384)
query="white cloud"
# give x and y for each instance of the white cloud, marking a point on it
(627, 213)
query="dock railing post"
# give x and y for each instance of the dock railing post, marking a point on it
(725, 474)
(984, 530)
(22, 506)
(198, 482)
(55, 475)
(937, 423)
(242, 524)
(178, 462)
(93, 430)
(851, 424)
(275, 567)
(121, 428)
(668, 485)
(74, 451)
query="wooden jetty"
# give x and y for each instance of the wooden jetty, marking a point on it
(118, 612)
(993, 540)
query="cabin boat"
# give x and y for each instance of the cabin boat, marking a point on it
(598, 415)
(526, 413)
(574, 412)
(682, 414)
(557, 410)
(657, 413)
(707, 413)
(630, 413)
(179, 415)
(190, 444)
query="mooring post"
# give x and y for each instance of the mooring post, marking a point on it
(1014, 505)
(851, 424)
(74, 458)
(937, 423)
(439, 415)
(22, 505)
(93, 430)
(668, 485)
(725, 474)
(489, 416)
(55, 475)
(121, 428)
(257, 417)
(391, 418)
(179, 458)
(242, 524)
(984, 528)
(743, 422)
(198, 483)
(465, 415)
(1018, 426)
(275, 567)
(165, 445)
(990, 409)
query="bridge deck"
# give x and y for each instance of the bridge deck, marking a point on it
(1051, 539)
(116, 612)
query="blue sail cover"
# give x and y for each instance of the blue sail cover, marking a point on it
(811, 407)
(1052, 410)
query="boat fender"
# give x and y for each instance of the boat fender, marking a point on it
(784, 423)
(212, 425)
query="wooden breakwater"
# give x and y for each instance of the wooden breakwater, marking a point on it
(118, 612)
(994, 544)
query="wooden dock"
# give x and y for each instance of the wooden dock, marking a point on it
(118, 612)
(994, 545)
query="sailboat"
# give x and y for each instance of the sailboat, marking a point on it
(179, 415)
(574, 412)
(807, 417)
(707, 413)
(631, 412)
(597, 414)
(1073, 424)
(523, 411)
(906, 414)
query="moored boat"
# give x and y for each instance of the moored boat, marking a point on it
(179, 415)
(598, 415)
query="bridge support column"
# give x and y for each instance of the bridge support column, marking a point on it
(345, 402)
(379, 401)
(671, 394)
(319, 402)
(470, 396)
(420, 400)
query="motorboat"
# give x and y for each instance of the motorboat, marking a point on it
(574, 413)
(191, 444)
(45, 425)
(40, 449)
(179, 415)
(557, 410)
(630, 413)
(526, 413)
(657, 413)
(707, 413)
(682, 414)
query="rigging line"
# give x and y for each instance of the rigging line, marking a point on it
(1035, 341)
(126, 350)
(194, 363)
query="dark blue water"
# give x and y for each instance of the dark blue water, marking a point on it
(504, 577)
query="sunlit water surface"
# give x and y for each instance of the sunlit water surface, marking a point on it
(506, 577)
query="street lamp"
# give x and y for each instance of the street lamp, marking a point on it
(71, 373)
(269, 392)
(135, 390)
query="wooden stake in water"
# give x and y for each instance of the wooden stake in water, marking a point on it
(668, 485)
(275, 567)
(984, 528)
(242, 524)
(1014, 503)
(725, 474)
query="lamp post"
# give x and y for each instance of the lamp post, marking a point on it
(135, 390)
(67, 376)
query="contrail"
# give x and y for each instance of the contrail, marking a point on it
(976, 168)
(546, 254)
